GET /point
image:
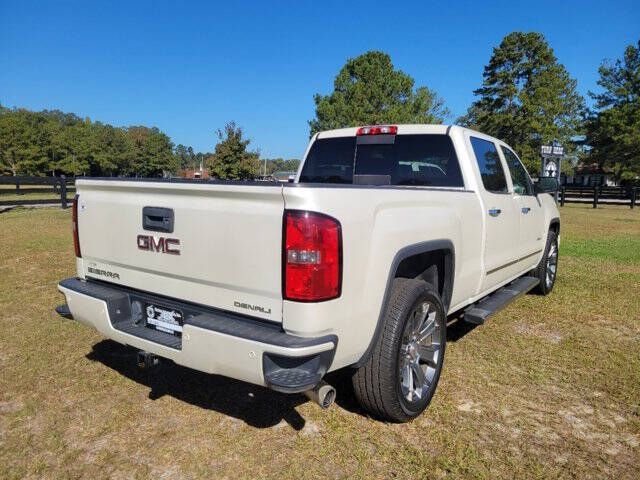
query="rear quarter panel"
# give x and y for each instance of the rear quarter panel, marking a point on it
(376, 224)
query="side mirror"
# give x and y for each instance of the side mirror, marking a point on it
(547, 185)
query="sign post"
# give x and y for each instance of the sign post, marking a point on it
(551, 160)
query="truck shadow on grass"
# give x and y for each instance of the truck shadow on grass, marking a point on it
(256, 406)
(457, 328)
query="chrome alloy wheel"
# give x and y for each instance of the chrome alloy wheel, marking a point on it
(552, 264)
(420, 352)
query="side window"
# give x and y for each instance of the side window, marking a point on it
(491, 169)
(519, 177)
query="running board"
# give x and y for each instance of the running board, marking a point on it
(496, 301)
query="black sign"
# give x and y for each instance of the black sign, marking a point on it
(552, 150)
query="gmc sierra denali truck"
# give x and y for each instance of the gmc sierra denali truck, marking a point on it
(385, 233)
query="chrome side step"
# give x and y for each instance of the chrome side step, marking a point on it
(496, 301)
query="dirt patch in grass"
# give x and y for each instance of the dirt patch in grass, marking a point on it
(548, 388)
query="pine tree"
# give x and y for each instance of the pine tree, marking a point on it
(527, 98)
(368, 91)
(614, 128)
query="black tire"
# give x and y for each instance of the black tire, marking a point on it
(547, 269)
(383, 385)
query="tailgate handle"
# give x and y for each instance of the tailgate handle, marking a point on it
(157, 219)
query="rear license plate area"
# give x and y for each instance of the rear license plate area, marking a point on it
(163, 319)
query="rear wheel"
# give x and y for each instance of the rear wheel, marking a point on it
(547, 269)
(400, 378)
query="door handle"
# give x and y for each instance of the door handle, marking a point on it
(494, 212)
(525, 210)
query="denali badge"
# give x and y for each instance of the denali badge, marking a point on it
(255, 308)
(159, 244)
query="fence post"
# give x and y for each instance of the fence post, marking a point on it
(634, 192)
(63, 191)
(562, 195)
(595, 197)
(17, 186)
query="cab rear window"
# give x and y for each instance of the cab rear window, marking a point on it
(330, 160)
(422, 160)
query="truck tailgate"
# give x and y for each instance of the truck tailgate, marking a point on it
(229, 239)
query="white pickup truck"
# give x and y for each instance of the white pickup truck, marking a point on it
(385, 233)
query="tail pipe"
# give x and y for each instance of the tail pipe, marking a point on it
(147, 360)
(323, 394)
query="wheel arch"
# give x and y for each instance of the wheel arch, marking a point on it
(554, 224)
(418, 261)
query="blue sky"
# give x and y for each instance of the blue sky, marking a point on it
(189, 67)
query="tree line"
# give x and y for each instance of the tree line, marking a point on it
(526, 98)
(55, 143)
(51, 142)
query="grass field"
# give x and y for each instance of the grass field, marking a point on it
(548, 388)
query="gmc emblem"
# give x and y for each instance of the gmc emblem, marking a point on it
(159, 244)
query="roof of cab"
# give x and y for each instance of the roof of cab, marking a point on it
(402, 129)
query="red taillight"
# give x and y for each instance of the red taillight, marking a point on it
(74, 216)
(378, 130)
(312, 257)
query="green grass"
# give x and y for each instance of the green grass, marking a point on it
(548, 388)
(591, 237)
(616, 249)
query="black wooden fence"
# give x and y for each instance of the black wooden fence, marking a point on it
(59, 190)
(599, 195)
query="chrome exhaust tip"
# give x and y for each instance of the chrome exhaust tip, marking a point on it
(323, 394)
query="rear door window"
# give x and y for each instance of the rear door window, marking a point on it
(491, 171)
(422, 160)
